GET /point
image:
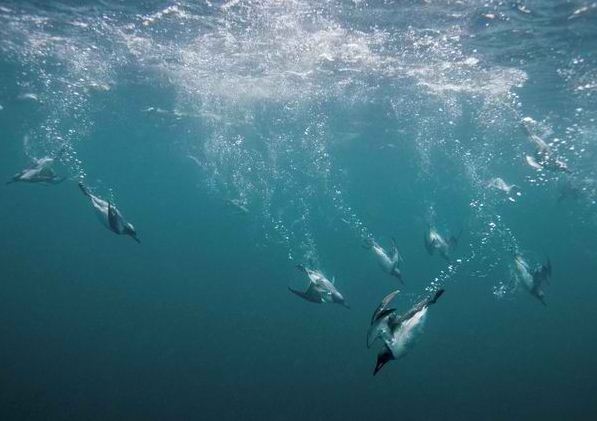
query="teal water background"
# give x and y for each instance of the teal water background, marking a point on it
(331, 122)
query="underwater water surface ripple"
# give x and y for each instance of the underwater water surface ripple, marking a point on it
(451, 144)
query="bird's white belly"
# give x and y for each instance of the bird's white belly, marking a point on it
(525, 274)
(405, 337)
(527, 280)
(101, 211)
(31, 174)
(383, 260)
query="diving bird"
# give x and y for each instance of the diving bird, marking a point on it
(39, 172)
(499, 184)
(238, 205)
(109, 215)
(533, 279)
(544, 156)
(320, 290)
(389, 262)
(398, 332)
(435, 242)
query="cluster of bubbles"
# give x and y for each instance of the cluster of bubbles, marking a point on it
(59, 66)
(257, 79)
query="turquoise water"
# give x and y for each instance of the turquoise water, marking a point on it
(246, 137)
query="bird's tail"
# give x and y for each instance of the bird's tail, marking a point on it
(367, 243)
(436, 295)
(84, 189)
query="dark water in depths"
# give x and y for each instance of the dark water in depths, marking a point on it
(328, 122)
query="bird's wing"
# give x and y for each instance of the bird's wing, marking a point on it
(382, 306)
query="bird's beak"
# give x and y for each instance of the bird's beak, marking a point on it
(378, 366)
